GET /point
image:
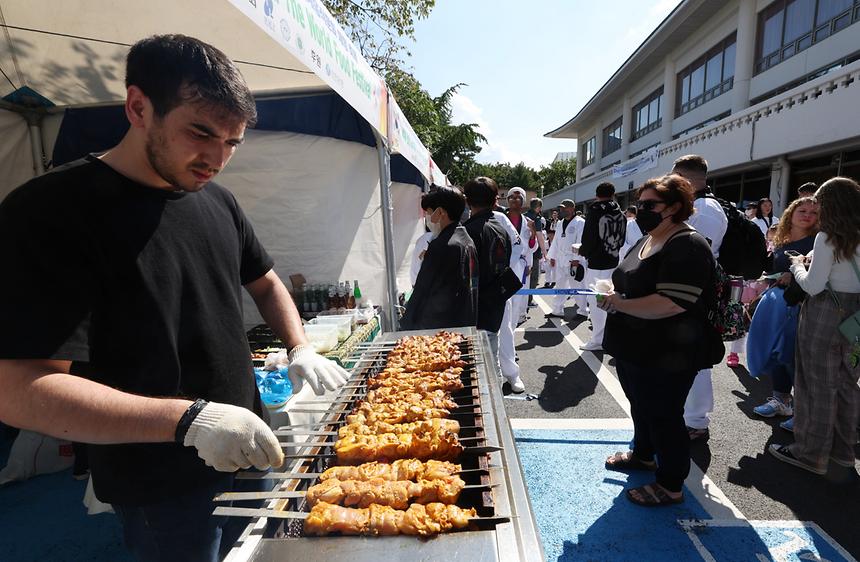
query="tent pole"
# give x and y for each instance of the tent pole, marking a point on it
(36, 144)
(389, 316)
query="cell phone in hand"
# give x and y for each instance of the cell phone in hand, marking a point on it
(793, 253)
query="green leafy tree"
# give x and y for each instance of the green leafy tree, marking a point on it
(453, 146)
(557, 175)
(377, 26)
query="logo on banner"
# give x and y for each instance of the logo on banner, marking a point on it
(285, 30)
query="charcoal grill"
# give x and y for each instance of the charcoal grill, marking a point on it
(505, 530)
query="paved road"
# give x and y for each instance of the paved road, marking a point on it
(734, 457)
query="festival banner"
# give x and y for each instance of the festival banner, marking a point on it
(644, 161)
(307, 30)
(403, 140)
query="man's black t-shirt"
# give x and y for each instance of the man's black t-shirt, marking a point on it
(683, 271)
(141, 289)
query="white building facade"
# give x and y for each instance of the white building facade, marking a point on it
(768, 91)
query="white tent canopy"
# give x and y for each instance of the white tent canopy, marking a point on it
(73, 54)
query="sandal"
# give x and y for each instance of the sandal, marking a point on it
(627, 461)
(652, 495)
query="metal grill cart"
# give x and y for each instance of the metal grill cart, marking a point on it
(505, 528)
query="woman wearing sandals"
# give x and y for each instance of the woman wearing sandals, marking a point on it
(827, 396)
(658, 332)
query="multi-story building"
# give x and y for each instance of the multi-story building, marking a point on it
(564, 156)
(768, 91)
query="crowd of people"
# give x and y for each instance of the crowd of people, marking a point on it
(650, 278)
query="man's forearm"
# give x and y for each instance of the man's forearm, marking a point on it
(46, 400)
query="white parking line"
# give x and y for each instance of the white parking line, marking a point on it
(711, 498)
(571, 423)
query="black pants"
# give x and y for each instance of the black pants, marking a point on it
(534, 274)
(657, 407)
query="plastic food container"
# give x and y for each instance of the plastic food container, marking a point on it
(343, 323)
(343, 313)
(322, 336)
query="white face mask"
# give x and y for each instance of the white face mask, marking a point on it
(434, 227)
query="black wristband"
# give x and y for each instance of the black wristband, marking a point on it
(187, 418)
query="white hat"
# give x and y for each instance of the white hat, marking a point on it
(520, 190)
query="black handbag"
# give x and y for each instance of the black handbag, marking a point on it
(504, 286)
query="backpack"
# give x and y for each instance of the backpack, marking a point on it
(744, 249)
(727, 317)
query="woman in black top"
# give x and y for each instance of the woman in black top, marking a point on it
(659, 334)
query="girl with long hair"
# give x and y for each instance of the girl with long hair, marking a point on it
(827, 396)
(764, 217)
(770, 343)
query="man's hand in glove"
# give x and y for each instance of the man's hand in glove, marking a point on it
(229, 438)
(321, 373)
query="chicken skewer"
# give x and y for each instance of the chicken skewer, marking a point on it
(420, 520)
(357, 449)
(393, 493)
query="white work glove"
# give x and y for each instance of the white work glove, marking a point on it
(228, 438)
(306, 365)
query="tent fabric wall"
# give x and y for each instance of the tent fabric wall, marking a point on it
(16, 155)
(408, 227)
(314, 203)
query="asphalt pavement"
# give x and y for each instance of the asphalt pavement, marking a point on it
(565, 384)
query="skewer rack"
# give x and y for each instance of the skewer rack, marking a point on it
(506, 530)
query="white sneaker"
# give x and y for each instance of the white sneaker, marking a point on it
(592, 346)
(517, 385)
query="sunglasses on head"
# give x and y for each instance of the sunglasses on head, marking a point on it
(515, 197)
(648, 204)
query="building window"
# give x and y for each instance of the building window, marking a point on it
(787, 27)
(589, 148)
(709, 76)
(612, 137)
(647, 114)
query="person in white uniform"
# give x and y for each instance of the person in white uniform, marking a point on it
(633, 234)
(711, 222)
(521, 254)
(552, 224)
(418, 255)
(561, 253)
(507, 350)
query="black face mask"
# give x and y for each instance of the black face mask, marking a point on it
(648, 220)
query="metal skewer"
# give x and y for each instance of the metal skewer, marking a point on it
(245, 496)
(466, 450)
(315, 475)
(301, 445)
(271, 513)
(290, 432)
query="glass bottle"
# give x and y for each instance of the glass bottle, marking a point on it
(350, 297)
(356, 292)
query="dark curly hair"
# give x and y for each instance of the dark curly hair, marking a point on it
(672, 189)
(839, 215)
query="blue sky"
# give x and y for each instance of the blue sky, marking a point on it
(529, 66)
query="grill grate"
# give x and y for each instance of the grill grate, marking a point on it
(373, 361)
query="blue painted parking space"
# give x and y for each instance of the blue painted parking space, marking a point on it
(582, 513)
(580, 506)
(764, 541)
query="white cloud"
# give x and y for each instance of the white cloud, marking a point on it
(465, 110)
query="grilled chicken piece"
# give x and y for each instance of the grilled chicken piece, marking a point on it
(421, 520)
(391, 413)
(393, 493)
(403, 469)
(357, 449)
(423, 426)
(423, 381)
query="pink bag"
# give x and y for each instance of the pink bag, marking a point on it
(752, 289)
